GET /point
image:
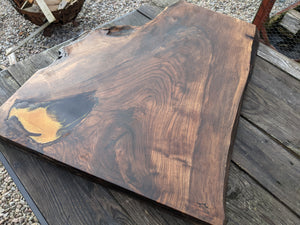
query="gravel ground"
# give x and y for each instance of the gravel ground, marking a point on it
(14, 28)
(13, 207)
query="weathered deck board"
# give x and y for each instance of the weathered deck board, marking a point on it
(133, 18)
(279, 60)
(24, 69)
(8, 86)
(269, 163)
(238, 208)
(149, 11)
(22, 190)
(137, 208)
(272, 102)
(248, 203)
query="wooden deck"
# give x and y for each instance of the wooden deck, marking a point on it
(264, 178)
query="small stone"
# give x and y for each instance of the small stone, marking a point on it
(15, 220)
(22, 202)
(12, 204)
(21, 220)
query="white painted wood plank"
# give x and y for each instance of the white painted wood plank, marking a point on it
(45, 9)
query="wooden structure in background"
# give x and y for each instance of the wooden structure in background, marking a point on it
(151, 109)
(279, 31)
(264, 172)
(263, 13)
(63, 16)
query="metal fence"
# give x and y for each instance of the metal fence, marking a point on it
(282, 30)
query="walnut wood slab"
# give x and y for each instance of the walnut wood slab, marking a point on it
(151, 109)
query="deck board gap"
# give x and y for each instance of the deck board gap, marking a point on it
(263, 187)
(148, 17)
(121, 206)
(272, 137)
(14, 78)
(279, 67)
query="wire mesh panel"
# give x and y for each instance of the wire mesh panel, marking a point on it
(280, 30)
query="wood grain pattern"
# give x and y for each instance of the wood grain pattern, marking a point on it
(24, 70)
(281, 61)
(65, 198)
(8, 86)
(159, 107)
(272, 102)
(273, 167)
(254, 204)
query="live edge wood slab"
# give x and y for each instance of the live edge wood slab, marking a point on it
(151, 109)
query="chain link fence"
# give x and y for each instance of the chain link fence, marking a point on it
(281, 30)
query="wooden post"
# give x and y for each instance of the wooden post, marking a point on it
(263, 13)
(261, 17)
